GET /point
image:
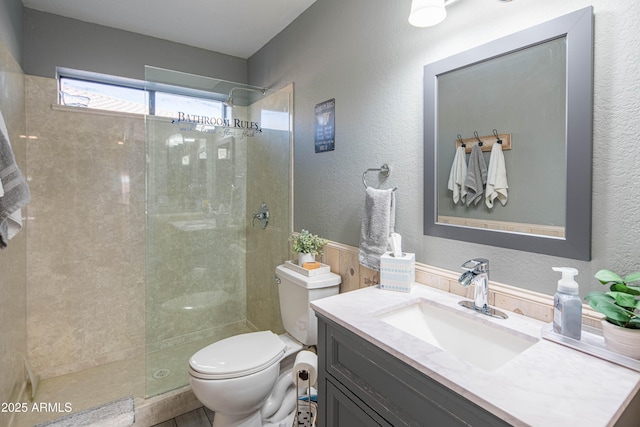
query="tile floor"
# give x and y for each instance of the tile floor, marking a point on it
(201, 417)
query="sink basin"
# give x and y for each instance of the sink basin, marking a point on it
(465, 336)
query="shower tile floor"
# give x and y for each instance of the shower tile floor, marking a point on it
(86, 389)
(95, 386)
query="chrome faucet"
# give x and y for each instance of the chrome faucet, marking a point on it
(477, 274)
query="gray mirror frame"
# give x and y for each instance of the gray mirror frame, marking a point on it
(577, 27)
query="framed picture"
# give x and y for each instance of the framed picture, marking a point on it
(325, 126)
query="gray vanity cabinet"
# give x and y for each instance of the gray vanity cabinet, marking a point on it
(361, 385)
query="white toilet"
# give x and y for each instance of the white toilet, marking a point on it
(234, 377)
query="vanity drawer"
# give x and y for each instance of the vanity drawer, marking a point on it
(397, 392)
(345, 409)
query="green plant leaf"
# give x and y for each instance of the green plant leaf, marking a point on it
(620, 287)
(635, 288)
(607, 276)
(623, 299)
(634, 323)
(633, 277)
(595, 295)
(605, 304)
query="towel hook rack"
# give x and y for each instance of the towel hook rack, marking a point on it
(384, 170)
(495, 133)
(480, 143)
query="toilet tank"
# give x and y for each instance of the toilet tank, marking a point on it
(296, 292)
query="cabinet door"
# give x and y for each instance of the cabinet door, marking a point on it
(343, 411)
(395, 391)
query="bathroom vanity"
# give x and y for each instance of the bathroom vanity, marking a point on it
(376, 367)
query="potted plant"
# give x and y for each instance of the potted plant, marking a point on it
(621, 308)
(307, 246)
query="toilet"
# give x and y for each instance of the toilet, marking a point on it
(236, 376)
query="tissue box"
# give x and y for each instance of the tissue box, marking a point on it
(397, 274)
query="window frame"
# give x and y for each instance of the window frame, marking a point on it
(150, 89)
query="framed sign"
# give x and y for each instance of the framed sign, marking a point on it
(325, 126)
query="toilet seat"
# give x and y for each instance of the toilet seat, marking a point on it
(237, 356)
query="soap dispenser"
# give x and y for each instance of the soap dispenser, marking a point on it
(567, 305)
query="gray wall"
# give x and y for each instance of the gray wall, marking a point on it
(364, 54)
(52, 41)
(11, 26)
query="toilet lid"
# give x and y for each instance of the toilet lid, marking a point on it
(237, 356)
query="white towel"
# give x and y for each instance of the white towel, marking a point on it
(496, 177)
(457, 175)
(476, 177)
(378, 222)
(16, 191)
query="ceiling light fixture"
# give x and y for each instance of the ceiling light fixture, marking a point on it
(426, 13)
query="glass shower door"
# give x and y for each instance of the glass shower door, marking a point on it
(196, 203)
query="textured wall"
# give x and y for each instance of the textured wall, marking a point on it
(11, 27)
(52, 41)
(366, 55)
(86, 235)
(13, 259)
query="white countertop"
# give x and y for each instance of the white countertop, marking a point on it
(546, 385)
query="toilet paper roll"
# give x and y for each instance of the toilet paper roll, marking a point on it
(305, 361)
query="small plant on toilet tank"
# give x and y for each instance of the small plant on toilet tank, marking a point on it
(307, 243)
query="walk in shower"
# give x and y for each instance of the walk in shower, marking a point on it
(140, 243)
(212, 162)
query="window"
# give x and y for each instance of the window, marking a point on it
(102, 96)
(103, 92)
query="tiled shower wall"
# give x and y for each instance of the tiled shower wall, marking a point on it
(13, 261)
(269, 181)
(86, 234)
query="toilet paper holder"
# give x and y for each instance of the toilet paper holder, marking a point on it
(305, 414)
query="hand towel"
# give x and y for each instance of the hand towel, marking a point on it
(496, 178)
(16, 191)
(378, 222)
(457, 176)
(476, 176)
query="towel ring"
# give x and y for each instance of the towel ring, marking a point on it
(384, 170)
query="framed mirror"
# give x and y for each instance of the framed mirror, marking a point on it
(534, 88)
